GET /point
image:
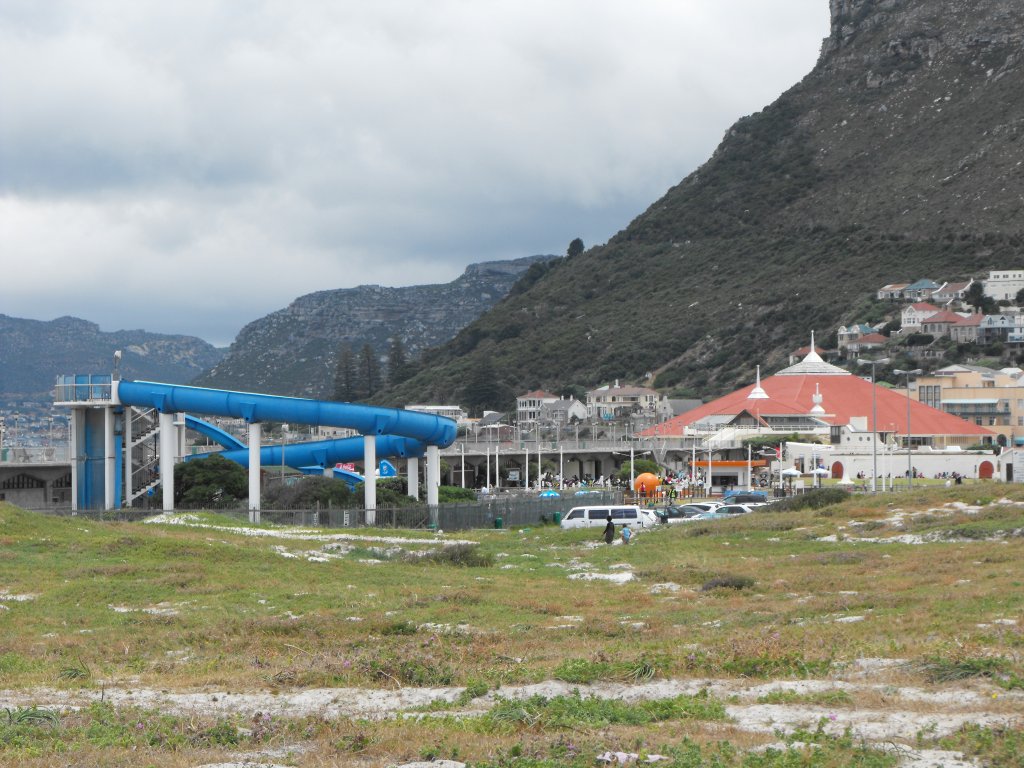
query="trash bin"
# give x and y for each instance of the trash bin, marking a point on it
(556, 518)
(498, 522)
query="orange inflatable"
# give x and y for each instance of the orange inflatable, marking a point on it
(646, 484)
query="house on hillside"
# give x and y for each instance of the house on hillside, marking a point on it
(965, 331)
(995, 328)
(913, 316)
(951, 293)
(565, 410)
(920, 290)
(892, 292)
(1004, 284)
(867, 343)
(1016, 334)
(528, 406)
(939, 324)
(848, 334)
(614, 401)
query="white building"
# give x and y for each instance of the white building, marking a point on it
(1004, 284)
(563, 411)
(528, 406)
(613, 401)
(453, 412)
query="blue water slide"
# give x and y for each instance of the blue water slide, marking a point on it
(324, 453)
(213, 432)
(365, 419)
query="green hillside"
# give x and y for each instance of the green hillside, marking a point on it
(897, 157)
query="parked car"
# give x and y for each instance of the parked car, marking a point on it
(596, 517)
(745, 497)
(726, 510)
(678, 514)
(705, 506)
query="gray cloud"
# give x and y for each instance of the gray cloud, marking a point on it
(187, 167)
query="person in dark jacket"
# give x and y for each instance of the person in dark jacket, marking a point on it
(609, 531)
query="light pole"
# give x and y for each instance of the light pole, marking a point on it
(284, 439)
(908, 374)
(874, 420)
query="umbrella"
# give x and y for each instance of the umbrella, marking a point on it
(821, 472)
(791, 472)
(550, 494)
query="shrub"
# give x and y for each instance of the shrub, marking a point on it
(816, 499)
(462, 555)
(727, 582)
(448, 494)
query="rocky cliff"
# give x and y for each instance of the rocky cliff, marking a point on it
(899, 156)
(33, 353)
(294, 351)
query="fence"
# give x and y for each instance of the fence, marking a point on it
(512, 511)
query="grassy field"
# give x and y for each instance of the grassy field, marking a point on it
(94, 614)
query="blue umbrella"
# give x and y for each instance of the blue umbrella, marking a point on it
(550, 494)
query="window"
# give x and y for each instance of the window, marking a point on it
(597, 514)
(576, 514)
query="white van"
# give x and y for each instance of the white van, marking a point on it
(597, 517)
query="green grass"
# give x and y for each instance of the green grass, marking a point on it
(174, 607)
(577, 712)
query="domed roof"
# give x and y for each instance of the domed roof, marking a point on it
(813, 365)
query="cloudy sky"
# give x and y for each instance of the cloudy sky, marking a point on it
(190, 166)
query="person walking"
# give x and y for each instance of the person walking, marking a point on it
(627, 534)
(609, 531)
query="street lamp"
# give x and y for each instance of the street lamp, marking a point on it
(874, 419)
(284, 440)
(908, 374)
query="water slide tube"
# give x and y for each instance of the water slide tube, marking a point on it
(365, 419)
(215, 433)
(323, 453)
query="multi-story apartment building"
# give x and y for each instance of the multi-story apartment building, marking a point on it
(990, 398)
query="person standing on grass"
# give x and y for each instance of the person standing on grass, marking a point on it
(609, 531)
(627, 534)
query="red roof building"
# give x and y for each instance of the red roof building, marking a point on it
(814, 396)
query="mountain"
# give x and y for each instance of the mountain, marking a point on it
(899, 156)
(294, 351)
(34, 353)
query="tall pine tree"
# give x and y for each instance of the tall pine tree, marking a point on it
(345, 384)
(369, 372)
(398, 365)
